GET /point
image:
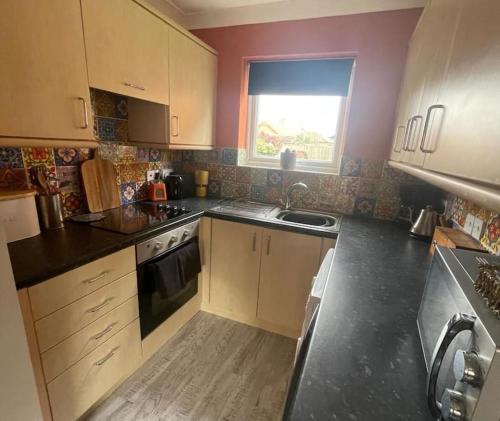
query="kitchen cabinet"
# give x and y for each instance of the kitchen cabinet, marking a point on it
(445, 121)
(262, 276)
(467, 144)
(45, 93)
(288, 264)
(193, 81)
(235, 262)
(127, 49)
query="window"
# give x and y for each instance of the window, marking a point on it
(300, 106)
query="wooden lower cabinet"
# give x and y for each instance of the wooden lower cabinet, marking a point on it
(82, 385)
(288, 264)
(262, 276)
(235, 265)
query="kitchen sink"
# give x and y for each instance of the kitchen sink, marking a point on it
(314, 219)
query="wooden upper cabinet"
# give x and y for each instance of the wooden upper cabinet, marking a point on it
(193, 82)
(43, 78)
(127, 49)
(288, 264)
(467, 143)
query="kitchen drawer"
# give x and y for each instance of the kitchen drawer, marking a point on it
(74, 348)
(57, 292)
(79, 387)
(70, 319)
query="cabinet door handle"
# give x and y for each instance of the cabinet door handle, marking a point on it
(412, 145)
(426, 127)
(254, 242)
(99, 306)
(268, 244)
(107, 357)
(131, 85)
(92, 280)
(396, 143)
(85, 113)
(407, 132)
(176, 133)
(99, 335)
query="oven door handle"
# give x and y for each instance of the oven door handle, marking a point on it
(458, 323)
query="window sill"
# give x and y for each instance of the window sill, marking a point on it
(299, 168)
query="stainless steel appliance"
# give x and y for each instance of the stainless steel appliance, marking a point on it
(460, 338)
(155, 307)
(425, 224)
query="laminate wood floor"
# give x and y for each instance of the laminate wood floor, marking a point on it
(212, 369)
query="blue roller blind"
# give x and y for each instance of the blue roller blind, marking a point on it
(300, 77)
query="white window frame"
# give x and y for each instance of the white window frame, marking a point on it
(332, 167)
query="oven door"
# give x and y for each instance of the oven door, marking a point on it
(445, 324)
(153, 308)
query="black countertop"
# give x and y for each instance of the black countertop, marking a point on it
(365, 361)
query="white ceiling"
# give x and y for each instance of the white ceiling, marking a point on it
(195, 14)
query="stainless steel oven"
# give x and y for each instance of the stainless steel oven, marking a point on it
(460, 339)
(154, 306)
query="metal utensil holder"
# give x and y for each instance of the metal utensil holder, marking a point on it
(50, 211)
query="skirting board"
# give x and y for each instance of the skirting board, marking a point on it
(488, 197)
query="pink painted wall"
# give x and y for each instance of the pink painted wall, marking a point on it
(379, 41)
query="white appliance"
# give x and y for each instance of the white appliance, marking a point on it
(19, 397)
(314, 300)
(19, 215)
(460, 339)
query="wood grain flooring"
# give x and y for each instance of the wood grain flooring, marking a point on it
(213, 369)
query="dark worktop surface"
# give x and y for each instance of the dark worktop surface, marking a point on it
(365, 362)
(51, 253)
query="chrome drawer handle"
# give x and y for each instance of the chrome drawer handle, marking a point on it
(426, 128)
(107, 357)
(131, 85)
(104, 332)
(92, 280)
(85, 113)
(98, 307)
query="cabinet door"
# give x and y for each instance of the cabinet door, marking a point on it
(289, 263)
(43, 76)
(235, 261)
(467, 144)
(127, 49)
(193, 74)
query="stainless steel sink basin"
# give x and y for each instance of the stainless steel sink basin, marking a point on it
(314, 219)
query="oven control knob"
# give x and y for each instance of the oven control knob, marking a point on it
(185, 234)
(173, 239)
(453, 405)
(466, 368)
(158, 245)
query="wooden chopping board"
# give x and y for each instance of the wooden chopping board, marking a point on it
(99, 182)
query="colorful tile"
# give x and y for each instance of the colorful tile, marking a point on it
(13, 178)
(214, 171)
(371, 168)
(230, 156)
(389, 173)
(386, 209)
(368, 187)
(38, 156)
(388, 190)
(125, 173)
(175, 155)
(272, 195)
(103, 103)
(242, 191)
(154, 155)
(85, 153)
(128, 193)
(257, 193)
(242, 156)
(141, 189)
(214, 155)
(214, 188)
(126, 154)
(109, 151)
(243, 175)
(106, 128)
(69, 178)
(274, 179)
(350, 167)
(11, 158)
(364, 206)
(491, 237)
(121, 131)
(73, 203)
(344, 203)
(228, 173)
(311, 180)
(201, 156)
(349, 186)
(228, 189)
(258, 176)
(142, 154)
(187, 155)
(326, 202)
(310, 200)
(329, 184)
(66, 156)
(121, 106)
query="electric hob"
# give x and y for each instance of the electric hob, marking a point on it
(138, 216)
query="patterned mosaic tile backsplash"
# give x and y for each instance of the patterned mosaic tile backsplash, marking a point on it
(457, 211)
